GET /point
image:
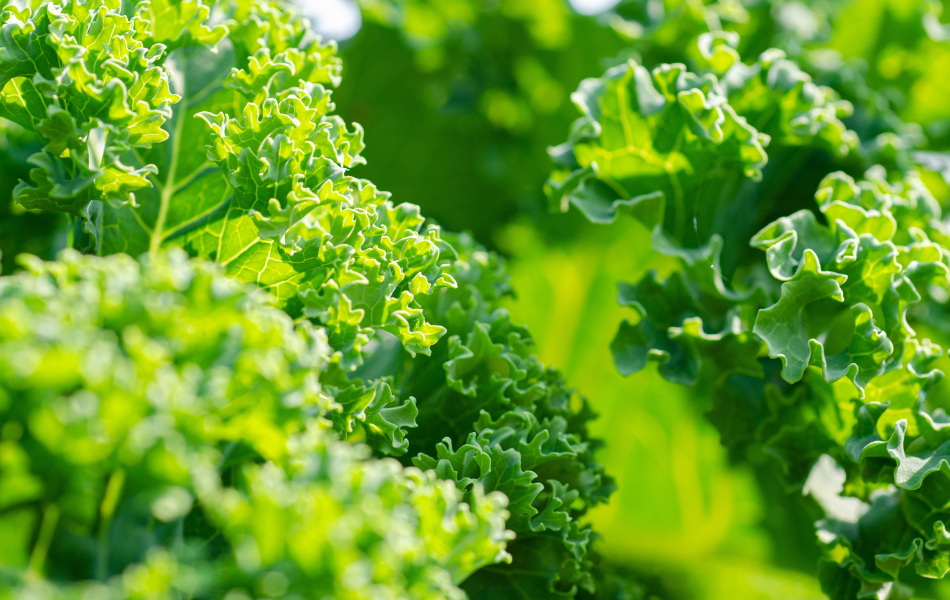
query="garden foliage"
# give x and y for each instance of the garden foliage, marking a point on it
(250, 373)
(803, 202)
(227, 416)
(800, 320)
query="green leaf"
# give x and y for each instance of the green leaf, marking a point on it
(384, 418)
(934, 554)
(231, 437)
(309, 249)
(538, 570)
(782, 325)
(80, 78)
(493, 467)
(650, 136)
(913, 468)
(658, 307)
(177, 23)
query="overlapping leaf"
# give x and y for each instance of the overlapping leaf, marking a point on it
(277, 209)
(676, 146)
(870, 260)
(161, 407)
(843, 314)
(509, 424)
(93, 85)
(847, 374)
(255, 176)
(679, 151)
(333, 244)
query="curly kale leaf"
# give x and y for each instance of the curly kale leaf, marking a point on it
(175, 424)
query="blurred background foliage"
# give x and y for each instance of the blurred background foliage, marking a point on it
(461, 100)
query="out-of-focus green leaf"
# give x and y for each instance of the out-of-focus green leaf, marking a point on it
(166, 429)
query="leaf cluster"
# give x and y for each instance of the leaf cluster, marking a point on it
(797, 322)
(235, 440)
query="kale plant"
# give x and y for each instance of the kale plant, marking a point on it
(813, 260)
(301, 389)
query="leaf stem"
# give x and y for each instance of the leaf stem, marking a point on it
(679, 202)
(106, 511)
(71, 231)
(43, 542)
(169, 188)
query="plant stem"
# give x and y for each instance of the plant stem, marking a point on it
(43, 542)
(169, 188)
(106, 511)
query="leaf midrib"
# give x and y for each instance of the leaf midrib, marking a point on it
(169, 188)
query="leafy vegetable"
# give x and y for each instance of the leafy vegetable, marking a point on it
(809, 351)
(165, 431)
(244, 167)
(307, 389)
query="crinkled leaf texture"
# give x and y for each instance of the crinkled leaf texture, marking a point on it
(270, 200)
(79, 76)
(842, 315)
(492, 416)
(182, 409)
(676, 149)
(799, 327)
(250, 171)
